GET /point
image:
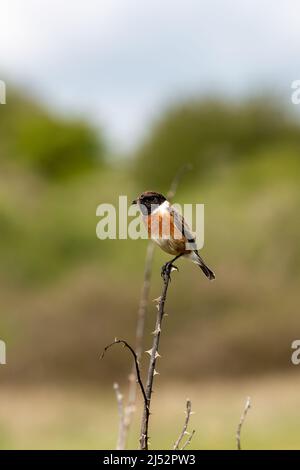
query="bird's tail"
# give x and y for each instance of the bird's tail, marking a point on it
(196, 258)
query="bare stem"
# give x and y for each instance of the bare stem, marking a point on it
(185, 426)
(240, 425)
(176, 180)
(188, 441)
(119, 398)
(140, 327)
(130, 407)
(153, 357)
(136, 362)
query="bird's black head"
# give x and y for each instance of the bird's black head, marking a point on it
(149, 201)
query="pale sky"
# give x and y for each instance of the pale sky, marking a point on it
(121, 61)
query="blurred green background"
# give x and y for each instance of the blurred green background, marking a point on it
(65, 294)
(111, 98)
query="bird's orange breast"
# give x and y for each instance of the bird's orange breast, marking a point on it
(162, 230)
(160, 225)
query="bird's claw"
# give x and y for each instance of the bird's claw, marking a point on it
(167, 269)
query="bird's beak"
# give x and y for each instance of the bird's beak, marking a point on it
(134, 201)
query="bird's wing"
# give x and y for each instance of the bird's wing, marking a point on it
(182, 227)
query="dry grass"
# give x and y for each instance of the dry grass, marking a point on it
(75, 417)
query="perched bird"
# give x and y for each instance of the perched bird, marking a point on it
(169, 230)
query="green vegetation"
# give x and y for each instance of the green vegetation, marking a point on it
(53, 146)
(213, 134)
(65, 294)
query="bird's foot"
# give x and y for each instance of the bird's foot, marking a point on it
(167, 269)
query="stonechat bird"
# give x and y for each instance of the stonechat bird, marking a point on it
(169, 230)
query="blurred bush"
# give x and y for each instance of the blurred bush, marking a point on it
(55, 147)
(65, 294)
(211, 133)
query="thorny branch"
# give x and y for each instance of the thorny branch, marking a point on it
(129, 408)
(184, 431)
(154, 354)
(240, 425)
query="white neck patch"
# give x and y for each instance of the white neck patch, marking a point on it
(164, 206)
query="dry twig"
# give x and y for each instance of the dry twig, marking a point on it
(119, 398)
(240, 425)
(136, 362)
(130, 407)
(174, 185)
(188, 441)
(184, 431)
